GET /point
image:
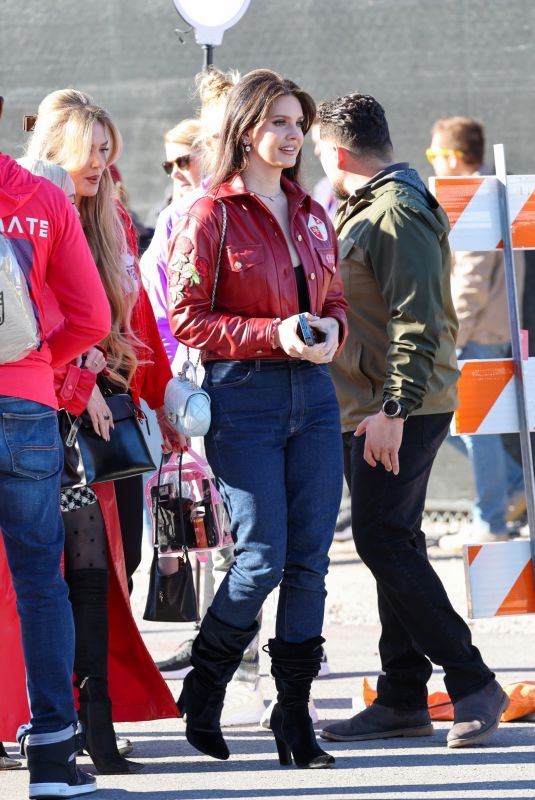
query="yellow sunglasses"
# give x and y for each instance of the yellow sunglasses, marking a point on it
(431, 153)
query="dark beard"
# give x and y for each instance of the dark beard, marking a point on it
(338, 189)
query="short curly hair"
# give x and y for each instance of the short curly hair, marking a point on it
(358, 122)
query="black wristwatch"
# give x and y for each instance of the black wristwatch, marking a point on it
(393, 408)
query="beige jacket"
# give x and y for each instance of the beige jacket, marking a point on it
(479, 295)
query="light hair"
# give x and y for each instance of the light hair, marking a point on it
(465, 134)
(186, 132)
(63, 134)
(47, 169)
(213, 85)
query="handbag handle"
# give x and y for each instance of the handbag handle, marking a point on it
(217, 268)
(181, 516)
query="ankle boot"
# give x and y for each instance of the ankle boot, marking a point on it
(215, 656)
(100, 740)
(294, 666)
(52, 765)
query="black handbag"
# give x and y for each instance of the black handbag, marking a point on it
(171, 597)
(89, 459)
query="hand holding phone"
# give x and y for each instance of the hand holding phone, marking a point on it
(305, 332)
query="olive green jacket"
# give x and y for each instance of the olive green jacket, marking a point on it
(395, 262)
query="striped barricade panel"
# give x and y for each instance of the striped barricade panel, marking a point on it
(471, 204)
(487, 398)
(499, 578)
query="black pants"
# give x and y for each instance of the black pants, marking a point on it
(129, 493)
(417, 618)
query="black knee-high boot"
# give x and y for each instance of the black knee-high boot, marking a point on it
(294, 666)
(216, 655)
(88, 592)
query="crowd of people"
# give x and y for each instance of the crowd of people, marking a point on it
(240, 254)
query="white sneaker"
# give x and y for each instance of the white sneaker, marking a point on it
(266, 716)
(325, 670)
(244, 704)
(453, 542)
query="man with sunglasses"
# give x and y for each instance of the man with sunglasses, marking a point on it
(480, 300)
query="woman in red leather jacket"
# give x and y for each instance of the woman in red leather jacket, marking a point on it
(71, 130)
(274, 443)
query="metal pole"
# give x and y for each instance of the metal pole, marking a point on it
(208, 55)
(514, 323)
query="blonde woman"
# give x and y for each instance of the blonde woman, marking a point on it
(71, 130)
(182, 162)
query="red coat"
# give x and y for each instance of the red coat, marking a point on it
(256, 283)
(137, 690)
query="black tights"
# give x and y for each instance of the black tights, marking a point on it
(86, 573)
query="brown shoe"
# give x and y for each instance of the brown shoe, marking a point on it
(380, 722)
(477, 716)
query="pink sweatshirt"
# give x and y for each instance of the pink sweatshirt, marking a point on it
(51, 247)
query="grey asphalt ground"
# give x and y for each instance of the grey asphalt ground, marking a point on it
(395, 769)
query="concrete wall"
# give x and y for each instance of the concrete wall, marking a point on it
(421, 58)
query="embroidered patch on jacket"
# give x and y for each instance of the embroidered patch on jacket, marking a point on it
(318, 228)
(184, 269)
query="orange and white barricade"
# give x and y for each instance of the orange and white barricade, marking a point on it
(487, 397)
(484, 213)
(499, 578)
(472, 206)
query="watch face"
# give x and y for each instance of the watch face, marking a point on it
(391, 408)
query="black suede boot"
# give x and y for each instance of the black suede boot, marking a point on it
(216, 655)
(294, 666)
(100, 741)
(88, 595)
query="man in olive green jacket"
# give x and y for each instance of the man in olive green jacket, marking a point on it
(396, 383)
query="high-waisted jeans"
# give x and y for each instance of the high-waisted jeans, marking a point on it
(276, 450)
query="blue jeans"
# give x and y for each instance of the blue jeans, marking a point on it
(276, 450)
(497, 475)
(31, 458)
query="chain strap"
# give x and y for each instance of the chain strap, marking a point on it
(217, 268)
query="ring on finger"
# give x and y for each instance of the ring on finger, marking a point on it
(106, 417)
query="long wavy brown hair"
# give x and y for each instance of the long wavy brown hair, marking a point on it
(63, 134)
(248, 106)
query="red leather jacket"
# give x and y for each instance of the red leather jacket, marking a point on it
(256, 283)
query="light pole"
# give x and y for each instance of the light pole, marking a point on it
(210, 19)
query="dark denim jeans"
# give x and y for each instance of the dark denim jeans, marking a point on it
(31, 458)
(275, 447)
(416, 615)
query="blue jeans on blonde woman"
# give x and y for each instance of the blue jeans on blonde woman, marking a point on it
(276, 450)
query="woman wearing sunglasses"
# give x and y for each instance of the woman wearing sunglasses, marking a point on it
(182, 162)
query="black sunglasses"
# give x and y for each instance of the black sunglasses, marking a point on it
(182, 162)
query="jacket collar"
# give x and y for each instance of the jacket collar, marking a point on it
(358, 193)
(236, 187)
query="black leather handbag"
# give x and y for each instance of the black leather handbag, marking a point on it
(89, 459)
(171, 597)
